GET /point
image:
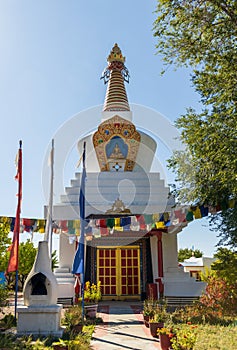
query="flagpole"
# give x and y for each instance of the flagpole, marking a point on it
(78, 264)
(82, 237)
(48, 229)
(19, 175)
(14, 253)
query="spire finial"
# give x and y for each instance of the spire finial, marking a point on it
(115, 55)
(116, 73)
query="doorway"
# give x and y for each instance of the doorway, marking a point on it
(118, 270)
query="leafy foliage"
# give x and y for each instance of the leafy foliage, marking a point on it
(225, 264)
(54, 260)
(202, 34)
(73, 316)
(225, 223)
(5, 241)
(220, 296)
(185, 337)
(27, 253)
(4, 294)
(186, 253)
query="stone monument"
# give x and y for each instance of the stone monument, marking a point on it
(40, 314)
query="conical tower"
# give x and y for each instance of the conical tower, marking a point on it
(115, 74)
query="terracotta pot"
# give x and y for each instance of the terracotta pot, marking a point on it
(146, 320)
(164, 341)
(91, 310)
(60, 347)
(77, 328)
(154, 326)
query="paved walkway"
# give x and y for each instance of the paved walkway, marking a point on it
(123, 328)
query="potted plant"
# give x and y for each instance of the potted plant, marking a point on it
(148, 311)
(73, 318)
(60, 344)
(158, 319)
(185, 337)
(92, 295)
(165, 335)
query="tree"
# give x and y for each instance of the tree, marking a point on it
(225, 264)
(5, 241)
(186, 253)
(202, 34)
(27, 253)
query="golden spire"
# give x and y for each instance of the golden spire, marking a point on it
(115, 74)
(115, 55)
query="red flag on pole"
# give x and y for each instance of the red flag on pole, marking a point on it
(13, 260)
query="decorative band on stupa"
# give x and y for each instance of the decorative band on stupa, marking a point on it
(115, 74)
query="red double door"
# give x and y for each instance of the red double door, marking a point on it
(118, 269)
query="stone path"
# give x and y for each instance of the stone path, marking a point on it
(123, 328)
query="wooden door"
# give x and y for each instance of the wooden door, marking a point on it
(118, 269)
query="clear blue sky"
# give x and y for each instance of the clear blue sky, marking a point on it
(52, 56)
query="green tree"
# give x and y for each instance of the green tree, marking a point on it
(27, 253)
(225, 265)
(5, 241)
(202, 34)
(186, 253)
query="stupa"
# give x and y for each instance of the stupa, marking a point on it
(131, 235)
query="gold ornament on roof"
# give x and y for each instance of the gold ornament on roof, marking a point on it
(116, 64)
(118, 207)
(115, 54)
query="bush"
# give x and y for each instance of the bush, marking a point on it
(4, 295)
(185, 337)
(220, 296)
(73, 316)
(8, 321)
(199, 313)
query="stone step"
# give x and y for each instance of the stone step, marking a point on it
(62, 270)
(102, 197)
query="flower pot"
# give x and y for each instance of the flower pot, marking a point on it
(164, 341)
(154, 326)
(91, 310)
(146, 320)
(77, 328)
(60, 347)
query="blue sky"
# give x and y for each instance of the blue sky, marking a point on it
(52, 56)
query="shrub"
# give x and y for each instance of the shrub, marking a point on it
(4, 295)
(220, 296)
(73, 316)
(199, 313)
(185, 337)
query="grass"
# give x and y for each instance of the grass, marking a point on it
(216, 338)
